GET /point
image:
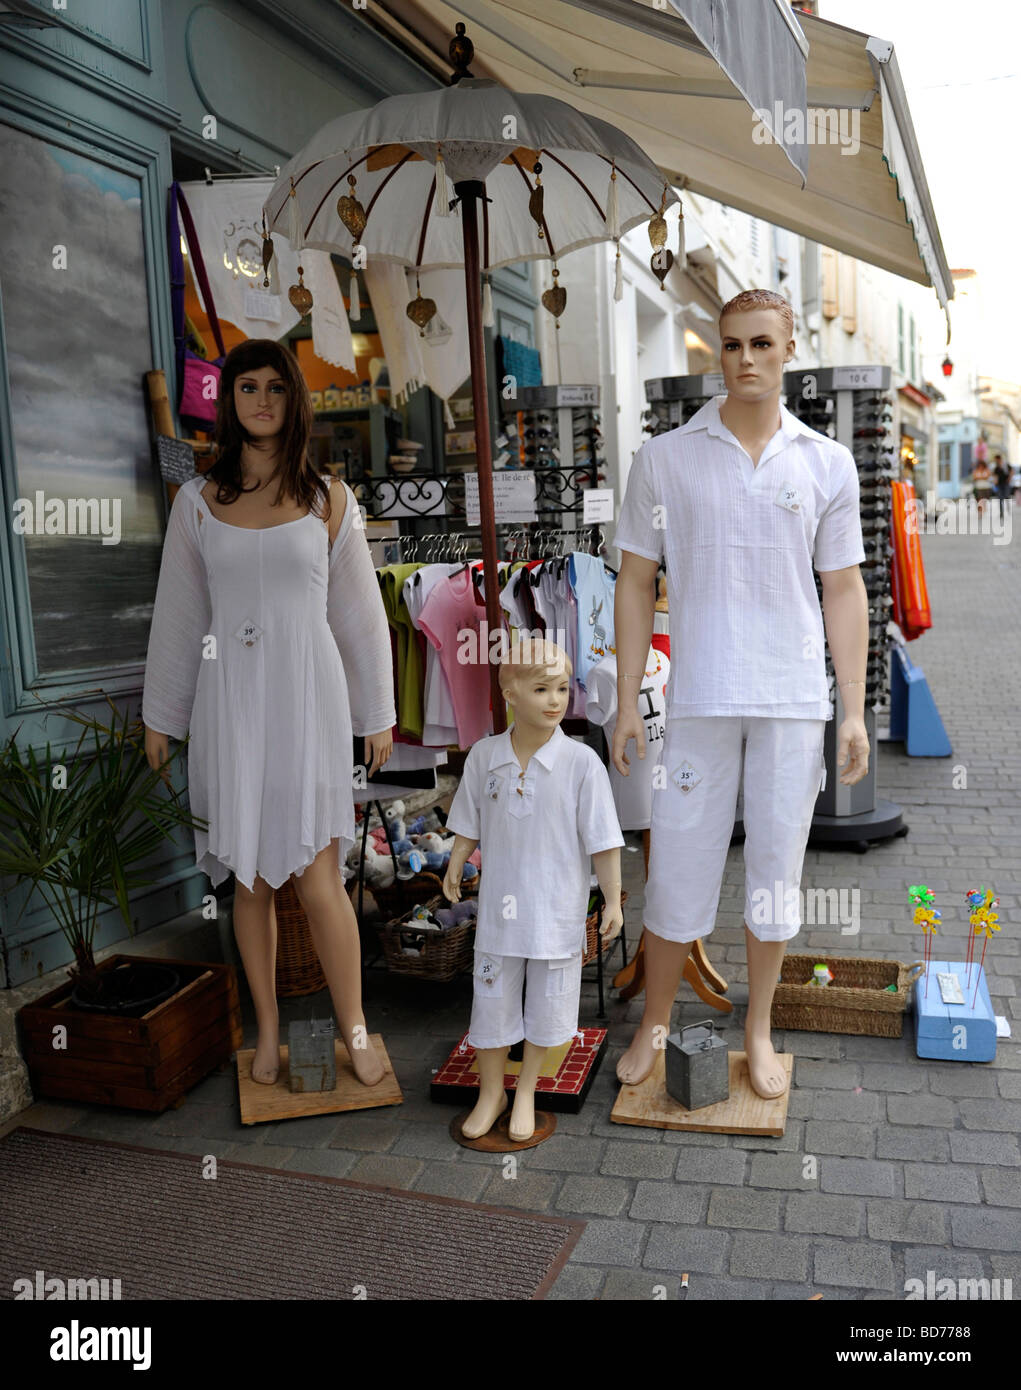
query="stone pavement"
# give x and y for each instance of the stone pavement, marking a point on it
(918, 1165)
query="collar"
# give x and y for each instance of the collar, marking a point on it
(708, 418)
(503, 754)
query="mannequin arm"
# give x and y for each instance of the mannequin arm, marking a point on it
(181, 618)
(607, 867)
(463, 848)
(846, 614)
(634, 610)
(357, 619)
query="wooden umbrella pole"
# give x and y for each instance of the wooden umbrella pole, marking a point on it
(470, 191)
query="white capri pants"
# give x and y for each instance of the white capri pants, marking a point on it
(552, 992)
(693, 810)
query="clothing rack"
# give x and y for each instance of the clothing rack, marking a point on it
(439, 546)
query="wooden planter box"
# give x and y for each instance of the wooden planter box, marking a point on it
(146, 1063)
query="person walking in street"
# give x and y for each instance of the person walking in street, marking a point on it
(981, 483)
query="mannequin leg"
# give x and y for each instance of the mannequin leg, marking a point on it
(522, 1120)
(767, 1075)
(492, 1101)
(664, 966)
(334, 929)
(255, 931)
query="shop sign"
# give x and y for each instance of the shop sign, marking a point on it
(513, 496)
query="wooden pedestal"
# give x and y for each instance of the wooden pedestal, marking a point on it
(278, 1102)
(744, 1112)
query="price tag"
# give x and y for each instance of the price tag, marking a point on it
(260, 304)
(712, 383)
(513, 496)
(577, 395)
(857, 378)
(950, 989)
(597, 505)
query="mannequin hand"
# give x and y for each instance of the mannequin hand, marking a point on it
(630, 724)
(157, 751)
(852, 749)
(379, 747)
(613, 920)
(452, 881)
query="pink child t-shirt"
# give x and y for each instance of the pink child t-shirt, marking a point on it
(450, 611)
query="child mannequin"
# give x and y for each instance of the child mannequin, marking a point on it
(541, 804)
(270, 645)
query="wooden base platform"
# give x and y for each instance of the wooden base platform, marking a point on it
(278, 1102)
(744, 1112)
(497, 1140)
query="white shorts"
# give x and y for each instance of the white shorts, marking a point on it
(693, 809)
(550, 1013)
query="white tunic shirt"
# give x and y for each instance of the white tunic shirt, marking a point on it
(537, 829)
(739, 542)
(632, 795)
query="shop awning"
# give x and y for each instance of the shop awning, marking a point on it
(685, 83)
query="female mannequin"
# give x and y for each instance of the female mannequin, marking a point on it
(269, 642)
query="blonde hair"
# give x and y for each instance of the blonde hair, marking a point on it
(529, 657)
(760, 299)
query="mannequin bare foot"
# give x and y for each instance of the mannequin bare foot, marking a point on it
(640, 1058)
(522, 1120)
(488, 1110)
(765, 1070)
(366, 1064)
(266, 1062)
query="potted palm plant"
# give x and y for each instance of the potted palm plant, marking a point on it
(78, 829)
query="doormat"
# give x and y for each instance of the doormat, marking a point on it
(91, 1209)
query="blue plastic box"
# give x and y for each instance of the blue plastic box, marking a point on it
(955, 1032)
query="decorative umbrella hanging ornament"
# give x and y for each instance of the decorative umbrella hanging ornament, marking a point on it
(524, 170)
(662, 257)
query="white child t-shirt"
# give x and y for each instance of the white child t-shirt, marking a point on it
(537, 831)
(632, 795)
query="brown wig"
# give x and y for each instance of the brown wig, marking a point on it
(298, 478)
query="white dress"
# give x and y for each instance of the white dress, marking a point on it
(271, 647)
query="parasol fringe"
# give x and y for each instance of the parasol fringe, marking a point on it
(618, 282)
(488, 317)
(355, 311)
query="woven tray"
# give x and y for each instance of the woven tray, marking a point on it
(442, 955)
(856, 1001)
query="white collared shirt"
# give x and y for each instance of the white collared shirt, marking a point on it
(537, 830)
(739, 542)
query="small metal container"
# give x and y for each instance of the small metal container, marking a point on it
(696, 1066)
(311, 1059)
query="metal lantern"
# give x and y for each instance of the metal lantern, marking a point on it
(696, 1066)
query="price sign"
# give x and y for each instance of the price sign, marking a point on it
(712, 383)
(597, 505)
(513, 496)
(577, 395)
(857, 378)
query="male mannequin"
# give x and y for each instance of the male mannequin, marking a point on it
(748, 673)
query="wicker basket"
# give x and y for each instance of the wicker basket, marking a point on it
(403, 893)
(592, 928)
(856, 1001)
(442, 955)
(298, 968)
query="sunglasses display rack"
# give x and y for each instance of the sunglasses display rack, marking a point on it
(853, 405)
(555, 432)
(673, 400)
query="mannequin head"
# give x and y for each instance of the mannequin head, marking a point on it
(260, 375)
(756, 341)
(535, 678)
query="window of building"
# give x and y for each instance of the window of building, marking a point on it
(900, 337)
